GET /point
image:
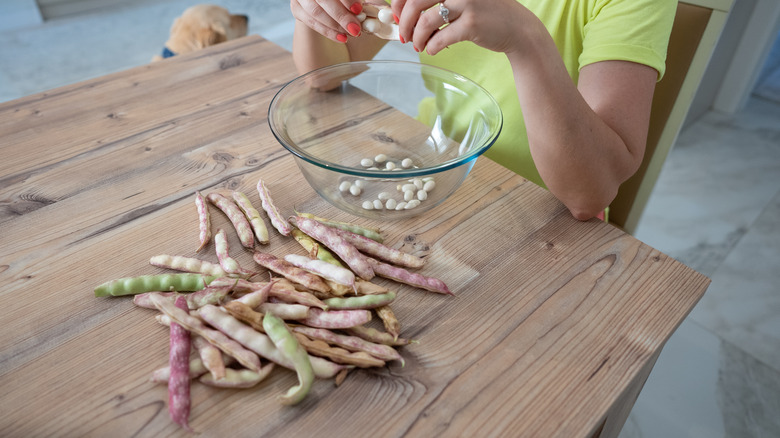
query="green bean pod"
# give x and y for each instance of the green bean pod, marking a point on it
(288, 346)
(360, 302)
(182, 282)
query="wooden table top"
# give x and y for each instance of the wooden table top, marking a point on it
(552, 322)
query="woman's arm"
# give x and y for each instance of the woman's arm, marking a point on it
(585, 139)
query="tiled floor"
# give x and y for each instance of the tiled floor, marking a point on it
(716, 208)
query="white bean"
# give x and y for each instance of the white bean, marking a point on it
(366, 162)
(344, 186)
(373, 168)
(368, 205)
(408, 195)
(408, 187)
(384, 196)
(371, 25)
(429, 185)
(360, 183)
(381, 158)
(422, 195)
(411, 204)
(355, 190)
(391, 204)
(406, 163)
(417, 183)
(378, 204)
(385, 15)
(361, 16)
(400, 206)
(390, 165)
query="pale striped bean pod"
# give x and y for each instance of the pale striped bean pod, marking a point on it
(373, 335)
(253, 216)
(187, 264)
(277, 220)
(238, 378)
(260, 343)
(323, 269)
(228, 264)
(237, 218)
(211, 357)
(204, 220)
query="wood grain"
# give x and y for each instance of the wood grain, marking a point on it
(552, 322)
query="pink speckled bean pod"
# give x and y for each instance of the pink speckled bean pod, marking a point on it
(328, 237)
(336, 319)
(204, 220)
(236, 216)
(352, 343)
(381, 251)
(179, 362)
(291, 272)
(253, 216)
(277, 220)
(401, 275)
(220, 340)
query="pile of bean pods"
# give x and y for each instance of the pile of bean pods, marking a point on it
(311, 316)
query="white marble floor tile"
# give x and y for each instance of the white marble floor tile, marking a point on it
(680, 398)
(716, 181)
(702, 387)
(742, 305)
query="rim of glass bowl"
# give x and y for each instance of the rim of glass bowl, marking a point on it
(405, 173)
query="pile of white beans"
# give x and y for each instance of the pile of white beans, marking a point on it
(408, 195)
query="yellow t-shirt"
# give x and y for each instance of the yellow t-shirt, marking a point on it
(585, 32)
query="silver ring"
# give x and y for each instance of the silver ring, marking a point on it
(444, 13)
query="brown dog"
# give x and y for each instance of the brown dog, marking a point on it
(201, 26)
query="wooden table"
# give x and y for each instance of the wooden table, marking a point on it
(554, 327)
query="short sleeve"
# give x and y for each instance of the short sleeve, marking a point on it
(629, 30)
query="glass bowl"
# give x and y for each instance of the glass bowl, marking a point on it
(384, 139)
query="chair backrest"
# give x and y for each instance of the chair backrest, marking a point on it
(697, 26)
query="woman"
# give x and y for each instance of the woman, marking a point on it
(574, 79)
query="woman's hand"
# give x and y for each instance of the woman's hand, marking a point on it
(492, 24)
(334, 19)
(328, 32)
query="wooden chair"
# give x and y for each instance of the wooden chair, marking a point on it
(697, 27)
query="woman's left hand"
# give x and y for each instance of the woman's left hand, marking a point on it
(491, 24)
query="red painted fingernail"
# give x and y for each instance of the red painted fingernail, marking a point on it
(353, 29)
(356, 8)
(341, 37)
(416, 49)
(403, 41)
(395, 18)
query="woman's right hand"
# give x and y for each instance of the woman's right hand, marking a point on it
(334, 19)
